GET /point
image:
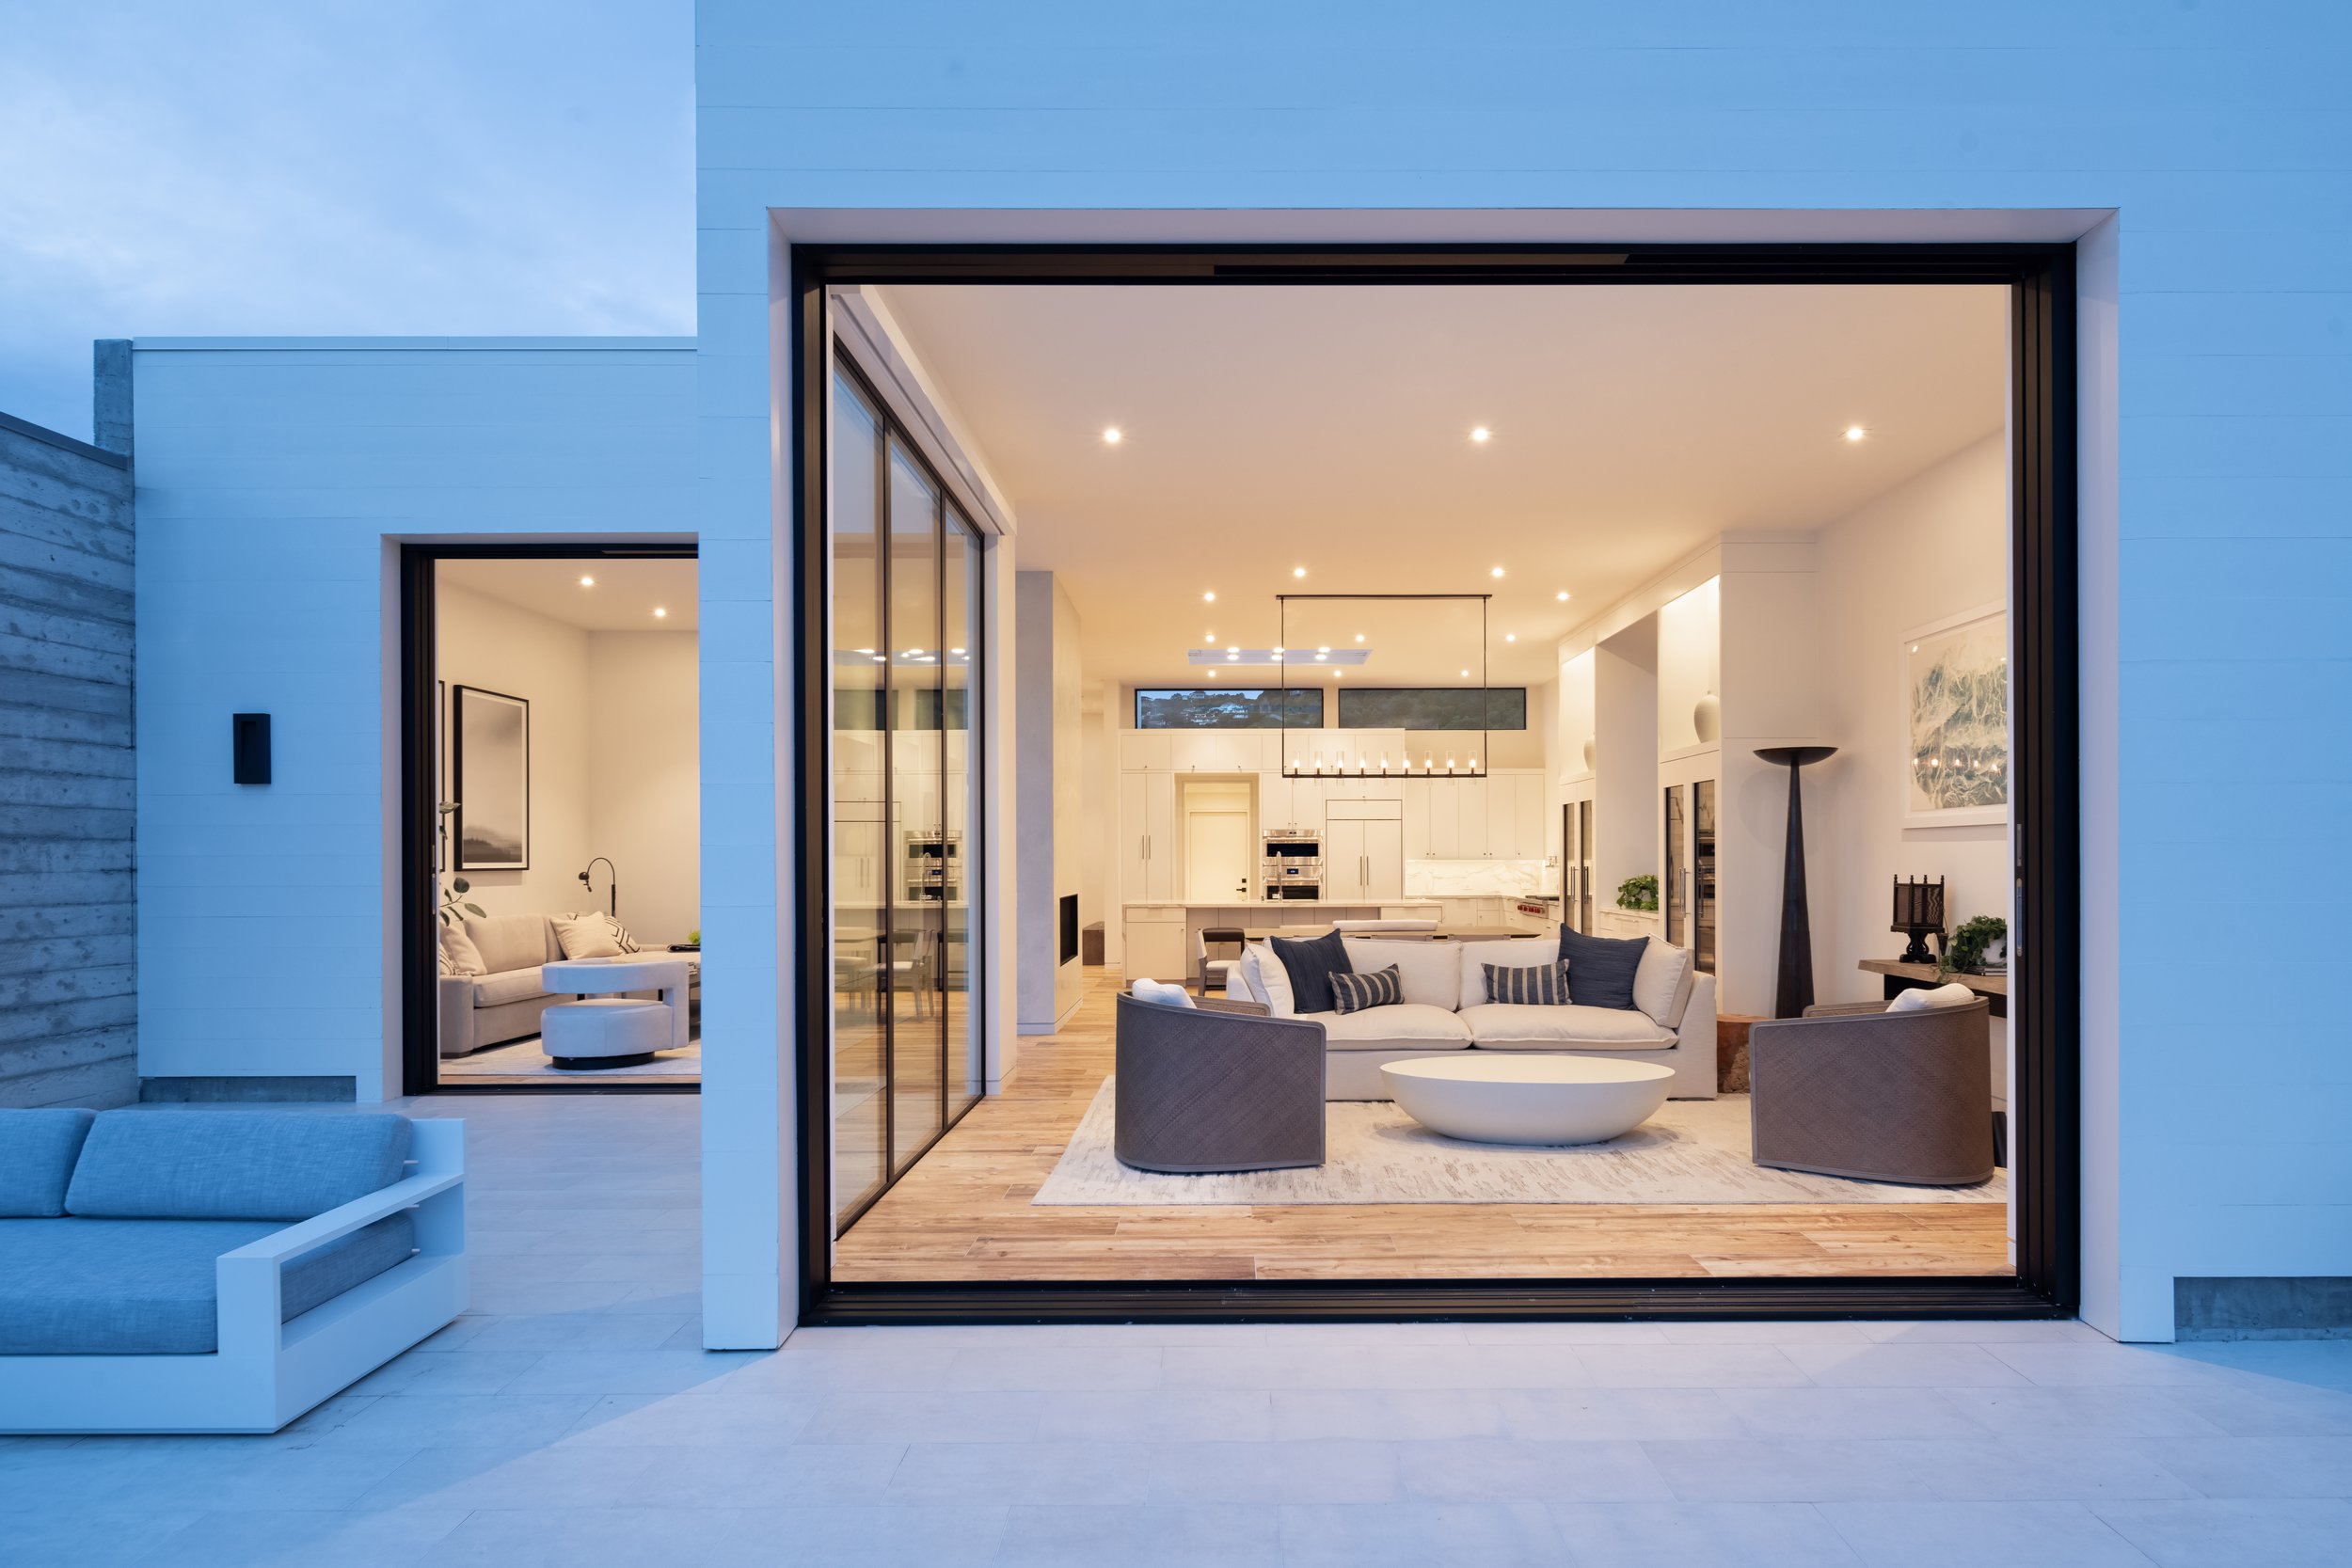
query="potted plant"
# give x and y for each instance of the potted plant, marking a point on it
(1964, 954)
(1638, 893)
(453, 905)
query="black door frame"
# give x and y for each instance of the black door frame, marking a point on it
(421, 794)
(2044, 620)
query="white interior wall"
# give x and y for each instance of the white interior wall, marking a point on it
(1047, 712)
(1689, 641)
(1098, 768)
(1934, 547)
(505, 648)
(1625, 748)
(644, 800)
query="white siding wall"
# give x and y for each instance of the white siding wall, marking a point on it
(2218, 391)
(272, 478)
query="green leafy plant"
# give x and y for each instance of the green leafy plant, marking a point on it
(1638, 893)
(1964, 954)
(453, 905)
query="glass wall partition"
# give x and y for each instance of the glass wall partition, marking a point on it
(905, 639)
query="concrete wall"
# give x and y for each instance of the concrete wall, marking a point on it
(276, 480)
(69, 1008)
(2218, 558)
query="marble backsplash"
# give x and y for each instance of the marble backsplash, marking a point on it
(1473, 878)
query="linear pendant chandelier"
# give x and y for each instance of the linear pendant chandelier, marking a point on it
(1325, 752)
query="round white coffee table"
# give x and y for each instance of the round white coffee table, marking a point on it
(1494, 1098)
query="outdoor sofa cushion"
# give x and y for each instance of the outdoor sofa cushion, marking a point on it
(86, 1287)
(37, 1154)
(233, 1165)
(1508, 1027)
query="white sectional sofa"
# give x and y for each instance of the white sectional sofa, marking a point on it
(1446, 1008)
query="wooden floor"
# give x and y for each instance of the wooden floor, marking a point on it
(963, 1213)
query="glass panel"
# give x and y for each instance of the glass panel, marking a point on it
(1235, 709)
(916, 957)
(1436, 708)
(1677, 862)
(860, 852)
(966, 1057)
(1703, 863)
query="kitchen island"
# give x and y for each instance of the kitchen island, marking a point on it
(1159, 939)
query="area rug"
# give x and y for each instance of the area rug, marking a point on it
(1692, 1151)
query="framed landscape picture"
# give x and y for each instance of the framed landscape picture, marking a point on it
(490, 761)
(1955, 702)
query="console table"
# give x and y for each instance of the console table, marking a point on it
(1899, 977)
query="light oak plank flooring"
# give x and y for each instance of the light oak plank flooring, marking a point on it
(963, 1213)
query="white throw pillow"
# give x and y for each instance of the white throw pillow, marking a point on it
(1952, 995)
(1475, 955)
(587, 936)
(1167, 995)
(1662, 982)
(1427, 972)
(1267, 980)
(459, 955)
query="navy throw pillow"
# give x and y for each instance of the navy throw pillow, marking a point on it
(1600, 969)
(1310, 965)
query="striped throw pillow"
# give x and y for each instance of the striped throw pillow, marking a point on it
(1529, 985)
(1382, 987)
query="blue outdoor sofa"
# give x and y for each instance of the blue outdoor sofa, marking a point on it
(217, 1270)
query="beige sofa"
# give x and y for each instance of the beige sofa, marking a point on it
(1446, 1008)
(504, 1004)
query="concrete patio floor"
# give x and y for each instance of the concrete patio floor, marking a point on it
(571, 1420)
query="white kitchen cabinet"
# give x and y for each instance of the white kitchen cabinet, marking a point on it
(1415, 796)
(1154, 947)
(861, 841)
(1470, 843)
(1363, 851)
(1531, 797)
(1147, 828)
(1445, 819)
(1503, 817)
(1144, 750)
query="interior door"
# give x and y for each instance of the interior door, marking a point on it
(1216, 856)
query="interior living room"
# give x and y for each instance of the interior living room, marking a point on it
(568, 828)
(1499, 781)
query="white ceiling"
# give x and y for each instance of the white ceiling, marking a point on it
(624, 599)
(1329, 427)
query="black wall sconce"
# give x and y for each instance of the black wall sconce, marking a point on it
(248, 743)
(611, 886)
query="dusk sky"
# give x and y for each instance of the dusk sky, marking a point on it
(333, 167)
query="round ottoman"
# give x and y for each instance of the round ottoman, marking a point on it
(604, 1031)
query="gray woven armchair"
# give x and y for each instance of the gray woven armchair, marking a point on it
(1217, 1086)
(1855, 1091)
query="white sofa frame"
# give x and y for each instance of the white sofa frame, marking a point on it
(265, 1372)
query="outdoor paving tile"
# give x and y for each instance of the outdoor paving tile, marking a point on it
(1848, 1413)
(1564, 1334)
(1049, 1366)
(2078, 1469)
(1386, 1413)
(1587, 1413)
(456, 1371)
(1690, 1367)
(1315, 1365)
(1980, 1534)
(1016, 1473)
(2105, 1366)
(1312, 1469)
(1158, 1415)
(1487, 1469)
(1904, 1366)
(628, 1371)
(675, 1420)
(2083, 1411)
(1784, 1471)
(1699, 1535)
(2253, 1410)
(613, 1330)
(1764, 1333)
(1990, 1331)
(305, 1538)
(2236, 1532)
(887, 1417)
(638, 1537)
(1152, 1535)
(2302, 1466)
(490, 1419)
(1419, 1534)
(64, 1530)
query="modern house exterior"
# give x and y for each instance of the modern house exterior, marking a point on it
(2161, 193)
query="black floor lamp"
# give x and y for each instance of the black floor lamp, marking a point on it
(1793, 993)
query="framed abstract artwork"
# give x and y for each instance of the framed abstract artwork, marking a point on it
(1955, 720)
(490, 762)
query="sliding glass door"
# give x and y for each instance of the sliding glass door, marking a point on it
(905, 642)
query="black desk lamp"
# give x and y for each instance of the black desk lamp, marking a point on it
(613, 886)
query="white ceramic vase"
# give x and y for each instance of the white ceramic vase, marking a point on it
(1707, 718)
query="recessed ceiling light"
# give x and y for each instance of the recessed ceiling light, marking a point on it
(1562, 595)
(1510, 637)
(958, 652)
(1211, 669)
(1482, 436)
(659, 612)
(1278, 652)
(1359, 637)
(1855, 433)
(1113, 436)
(1324, 648)
(881, 658)
(1321, 657)
(1208, 599)
(1298, 571)
(1233, 650)
(587, 582)
(1466, 674)
(865, 650)
(1498, 572)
